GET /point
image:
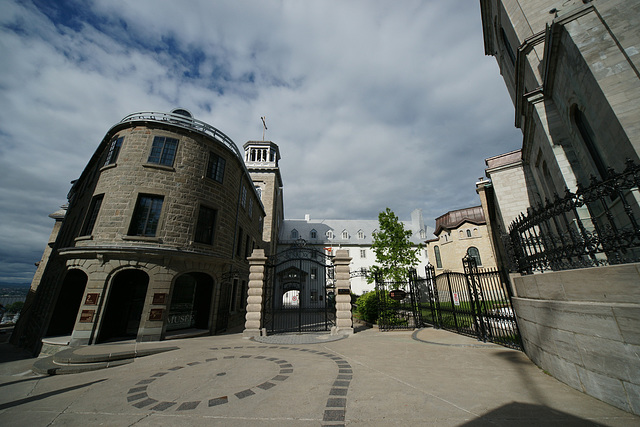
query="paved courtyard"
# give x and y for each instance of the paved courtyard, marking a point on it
(429, 377)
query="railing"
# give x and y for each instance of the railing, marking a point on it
(184, 122)
(597, 225)
(192, 125)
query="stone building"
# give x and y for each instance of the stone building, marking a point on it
(261, 158)
(572, 71)
(354, 236)
(460, 233)
(156, 235)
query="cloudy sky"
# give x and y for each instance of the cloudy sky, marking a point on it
(373, 103)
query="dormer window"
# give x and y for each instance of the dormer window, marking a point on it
(314, 234)
(345, 234)
(330, 234)
(294, 234)
(360, 234)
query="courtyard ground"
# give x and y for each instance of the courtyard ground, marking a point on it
(428, 377)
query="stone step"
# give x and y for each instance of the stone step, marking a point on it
(47, 366)
(73, 361)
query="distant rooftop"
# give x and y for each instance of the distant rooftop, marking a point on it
(453, 219)
(504, 159)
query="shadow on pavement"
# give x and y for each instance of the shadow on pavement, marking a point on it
(11, 353)
(45, 395)
(526, 414)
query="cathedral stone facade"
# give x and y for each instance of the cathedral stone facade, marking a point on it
(572, 70)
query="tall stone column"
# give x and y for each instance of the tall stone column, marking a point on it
(253, 321)
(344, 323)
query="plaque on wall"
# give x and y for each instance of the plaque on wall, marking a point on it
(92, 299)
(344, 291)
(87, 316)
(159, 298)
(155, 314)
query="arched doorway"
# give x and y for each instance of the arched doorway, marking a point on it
(291, 299)
(299, 291)
(190, 302)
(69, 299)
(123, 311)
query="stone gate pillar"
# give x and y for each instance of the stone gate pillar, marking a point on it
(253, 321)
(344, 323)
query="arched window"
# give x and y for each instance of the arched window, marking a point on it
(589, 139)
(468, 233)
(473, 252)
(294, 234)
(436, 250)
(507, 46)
(314, 234)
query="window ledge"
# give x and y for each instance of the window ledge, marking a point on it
(109, 166)
(143, 239)
(201, 245)
(161, 167)
(209, 178)
(81, 238)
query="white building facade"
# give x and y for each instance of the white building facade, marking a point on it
(355, 236)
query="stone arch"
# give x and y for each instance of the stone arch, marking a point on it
(191, 302)
(473, 252)
(65, 312)
(125, 302)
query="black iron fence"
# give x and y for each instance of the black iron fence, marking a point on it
(597, 225)
(398, 303)
(475, 303)
(299, 291)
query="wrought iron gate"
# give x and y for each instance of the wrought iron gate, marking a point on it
(398, 303)
(476, 303)
(300, 294)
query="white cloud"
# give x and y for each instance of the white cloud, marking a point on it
(373, 103)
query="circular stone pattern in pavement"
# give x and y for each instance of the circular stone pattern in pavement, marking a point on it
(229, 373)
(236, 382)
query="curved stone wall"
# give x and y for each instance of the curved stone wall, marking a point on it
(581, 326)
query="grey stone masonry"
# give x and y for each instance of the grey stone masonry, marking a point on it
(583, 333)
(253, 323)
(344, 322)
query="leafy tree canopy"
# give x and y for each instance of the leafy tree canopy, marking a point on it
(395, 254)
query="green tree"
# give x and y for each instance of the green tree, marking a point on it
(15, 307)
(395, 254)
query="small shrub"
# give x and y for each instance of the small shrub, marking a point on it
(368, 306)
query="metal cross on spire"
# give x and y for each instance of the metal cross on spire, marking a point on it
(264, 125)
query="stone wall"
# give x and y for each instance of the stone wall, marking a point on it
(509, 179)
(454, 248)
(583, 327)
(162, 269)
(184, 186)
